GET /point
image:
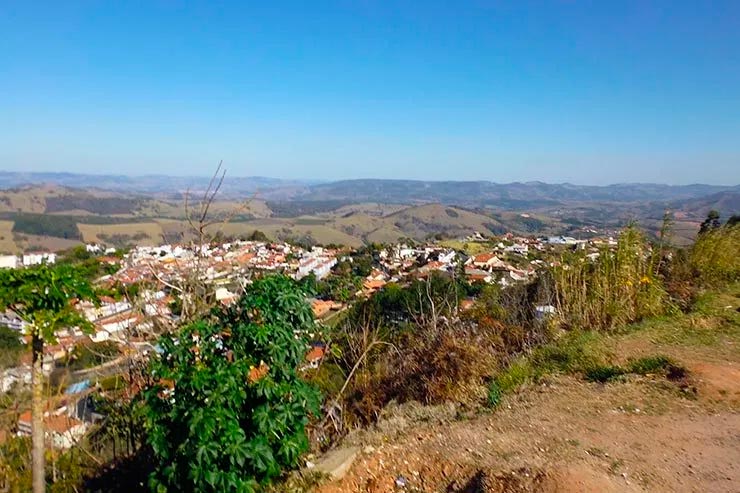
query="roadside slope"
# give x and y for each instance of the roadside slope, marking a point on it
(564, 434)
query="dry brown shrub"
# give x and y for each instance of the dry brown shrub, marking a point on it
(448, 365)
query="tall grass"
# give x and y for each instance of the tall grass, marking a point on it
(715, 256)
(618, 287)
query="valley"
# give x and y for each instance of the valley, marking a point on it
(52, 215)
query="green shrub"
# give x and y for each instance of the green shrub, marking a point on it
(228, 412)
(650, 364)
(515, 375)
(494, 394)
(647, 365)
(573, 352)
(10, 347)
(603, 374)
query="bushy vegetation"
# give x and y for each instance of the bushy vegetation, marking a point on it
(295, 208)
(715, 255)
(46, 225)
(228, 410)
(59, 225)
(229, 405)
(96, 205)
(617, 288)
(413, 343)
(88, 265)
(529, 224)
(648, 365)
(122, 240)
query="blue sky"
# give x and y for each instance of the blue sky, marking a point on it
(586, 92)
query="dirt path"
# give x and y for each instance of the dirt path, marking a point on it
(569, 436)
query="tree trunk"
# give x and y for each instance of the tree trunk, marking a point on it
(37, 415)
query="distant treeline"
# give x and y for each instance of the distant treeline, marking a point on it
(59, 226)
(96, 205)
(297, 208)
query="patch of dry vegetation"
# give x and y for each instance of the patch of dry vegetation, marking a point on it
(7, 243)
(136, 233)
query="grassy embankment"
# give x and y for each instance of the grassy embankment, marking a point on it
(660, 346)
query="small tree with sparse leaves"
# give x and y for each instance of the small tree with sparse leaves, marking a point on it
(42, 296)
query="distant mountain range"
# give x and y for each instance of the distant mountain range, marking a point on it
(52, 211)
(512, 196)
(506, 196)
(152, 184)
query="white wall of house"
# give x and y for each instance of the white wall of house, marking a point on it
(38, 258)
(69, 438)
(8, 261)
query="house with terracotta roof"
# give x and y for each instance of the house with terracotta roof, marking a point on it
(487, 261)
(434, 265)
(62, 431)
(478, 275)
(320, 308)
(371, 286)
(314, 356)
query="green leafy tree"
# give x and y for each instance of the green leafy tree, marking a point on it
(711, 222)
(229, 410)
(41, 295)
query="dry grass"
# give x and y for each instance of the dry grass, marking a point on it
(418, 222)
(367, 208)
(278, 229)
(716, 255)
(91, 233)
(28, 199)
(219, 209)
(618, 288)
(7, 244)
(386, 234)
(47, 243)
(469, 247)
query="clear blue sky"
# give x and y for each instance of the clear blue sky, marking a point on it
(587, 92)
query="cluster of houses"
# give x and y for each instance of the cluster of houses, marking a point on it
(229, 266)
(490, 267)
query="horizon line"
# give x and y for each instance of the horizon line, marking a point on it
(329, 181)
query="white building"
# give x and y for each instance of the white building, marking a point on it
(38, 258)
(93, 248)
(319, 266)
(8, 261)
(14, 376)
(12, 321)
(447, 257)
(518, 248)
